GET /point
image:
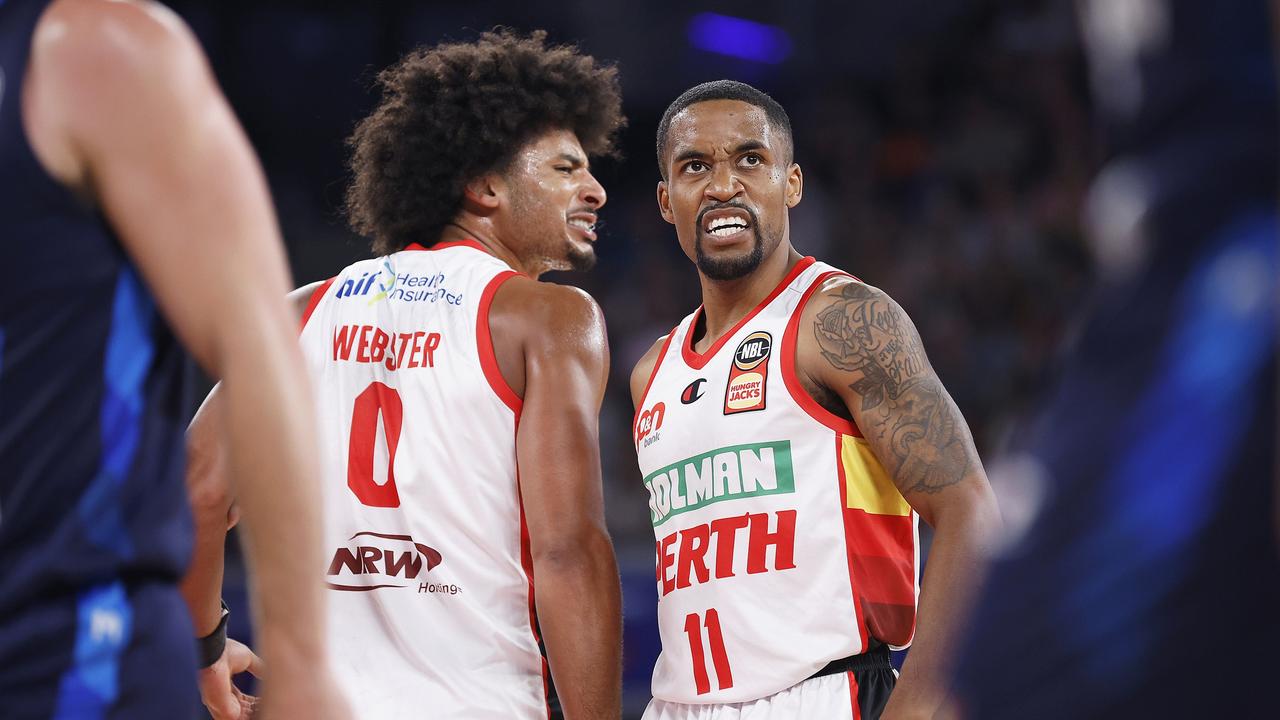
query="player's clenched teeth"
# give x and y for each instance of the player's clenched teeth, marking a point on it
(723, 223)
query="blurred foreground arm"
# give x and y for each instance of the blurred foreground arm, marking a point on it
(123, 107)
(214, 512)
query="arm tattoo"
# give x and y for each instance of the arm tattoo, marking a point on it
(905, 410)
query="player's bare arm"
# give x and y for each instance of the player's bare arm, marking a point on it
(551, 348)
(178, 181)
(860, 356)
(213, 511)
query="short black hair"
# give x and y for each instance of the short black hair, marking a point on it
(722, 90)
(458, 110)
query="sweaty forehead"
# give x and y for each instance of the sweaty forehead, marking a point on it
(714, 125)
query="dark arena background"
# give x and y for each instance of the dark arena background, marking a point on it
(1073, 200)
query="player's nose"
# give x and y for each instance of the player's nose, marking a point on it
(592, 192)
(723, 184)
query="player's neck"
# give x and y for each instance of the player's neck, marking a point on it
(482, 232)
(725, 302)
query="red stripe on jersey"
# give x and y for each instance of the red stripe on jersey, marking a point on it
(473, 244)
(526, 562)
(635, 419)
(848, 545)
(853, 696)
(792, 381)
(883, 562)
(316, 296)
(484, 341)
(697, 360)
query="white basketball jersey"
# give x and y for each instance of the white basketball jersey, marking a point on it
(431, 591)
(782, 544)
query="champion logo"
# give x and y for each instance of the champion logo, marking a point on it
(692, 392)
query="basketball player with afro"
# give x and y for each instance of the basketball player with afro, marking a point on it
(459, 396)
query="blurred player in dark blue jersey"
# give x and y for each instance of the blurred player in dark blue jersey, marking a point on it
(1149, 583)
(132, 210)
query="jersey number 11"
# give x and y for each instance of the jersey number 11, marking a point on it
(693, 628)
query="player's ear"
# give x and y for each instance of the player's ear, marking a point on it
(484, 194)
(795, 185)
(664, 202)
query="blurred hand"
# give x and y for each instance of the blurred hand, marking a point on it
(223, 699)
(315, 697)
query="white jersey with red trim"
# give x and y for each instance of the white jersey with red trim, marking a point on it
(430, 602)
(782, 543)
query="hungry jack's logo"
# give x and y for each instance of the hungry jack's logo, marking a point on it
(373, 565)
(745, 391)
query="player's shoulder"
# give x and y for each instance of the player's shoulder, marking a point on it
(644, 368)
(117, 38)
(547, 316)
(845, 290)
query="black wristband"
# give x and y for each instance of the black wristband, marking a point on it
(209, 648)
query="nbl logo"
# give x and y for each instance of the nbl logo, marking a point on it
(753, 351)
(749, 374)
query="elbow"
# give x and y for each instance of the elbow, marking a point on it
(572, 552)
(208, 490)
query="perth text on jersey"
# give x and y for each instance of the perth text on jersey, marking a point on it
(402, 287)
(374, 561)
(726, 547)
(728, 473)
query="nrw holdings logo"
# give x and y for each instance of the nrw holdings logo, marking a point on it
(382, 561)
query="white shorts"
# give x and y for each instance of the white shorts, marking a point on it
(831, 697)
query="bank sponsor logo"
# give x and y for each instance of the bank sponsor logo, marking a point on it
(398, 287)
(376, 561)
(728, 473)
(745, 390)
(649, 423)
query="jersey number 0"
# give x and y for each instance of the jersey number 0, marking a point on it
(376, 400)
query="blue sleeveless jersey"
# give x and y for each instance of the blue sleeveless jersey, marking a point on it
(93, 385)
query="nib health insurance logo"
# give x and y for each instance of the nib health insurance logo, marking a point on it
(384, 561)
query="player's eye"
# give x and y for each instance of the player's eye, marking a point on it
(751, 160)
(695, 166)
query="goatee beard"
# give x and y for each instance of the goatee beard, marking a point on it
(581, 259)
(731, 268)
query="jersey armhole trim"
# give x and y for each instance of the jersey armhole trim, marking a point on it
(316, 296)
(484, 342)
(662, 354)
(792, 380)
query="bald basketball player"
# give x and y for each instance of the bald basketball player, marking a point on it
(791, 434)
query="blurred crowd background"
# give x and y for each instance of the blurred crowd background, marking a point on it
(947, 147)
